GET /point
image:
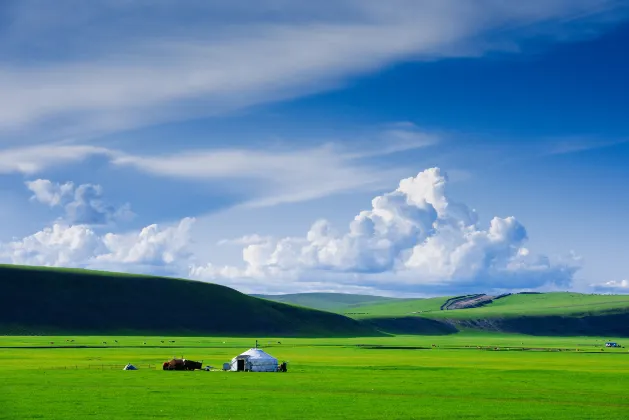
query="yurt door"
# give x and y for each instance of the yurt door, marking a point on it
(240, 365)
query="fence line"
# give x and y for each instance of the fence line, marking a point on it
(108, 366)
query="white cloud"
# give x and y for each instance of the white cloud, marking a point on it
(622, 285)
(82, 204)
(416, 238)
(245, 240)
(267, 176)
(577, 145)
(154, 248)
(135, 65)
(48, 193)
(35, 159)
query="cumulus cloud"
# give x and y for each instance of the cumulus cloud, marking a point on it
(61, 245)
(415, 237)
(83, 204)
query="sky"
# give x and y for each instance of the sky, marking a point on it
(399, 148)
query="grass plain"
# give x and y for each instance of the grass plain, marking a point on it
(401, 377)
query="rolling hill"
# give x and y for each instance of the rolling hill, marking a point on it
(333, 302)
(543, 304)
(62, 301)
(557, 313)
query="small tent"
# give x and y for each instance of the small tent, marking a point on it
(130, 367)
(254, 360)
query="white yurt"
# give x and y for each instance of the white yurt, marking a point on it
(254, 360)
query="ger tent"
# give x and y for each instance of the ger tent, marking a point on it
(254, 360)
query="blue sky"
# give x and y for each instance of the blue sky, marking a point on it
(209, 140)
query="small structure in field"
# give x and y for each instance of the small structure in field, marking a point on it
(129, 367)
(254, 360)
(611, 344)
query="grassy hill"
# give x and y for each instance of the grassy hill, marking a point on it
(59, 301)
(401, 307)
(556, 304)
(553, 314)
(333, 302)
(516, 305)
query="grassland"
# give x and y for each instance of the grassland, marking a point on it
(367, 378)
(55, 301)
(333, 302)
(406, 307)
(545, 304)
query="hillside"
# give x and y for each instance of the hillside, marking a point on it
(555, 303)
(401, 307)
(58, 301)
(552, 314)
(557, 313)
(333, 302)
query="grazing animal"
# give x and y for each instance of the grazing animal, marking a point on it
(182, 364)
(192, 365)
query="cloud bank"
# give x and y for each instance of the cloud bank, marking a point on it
(414, 239)
(153, 249)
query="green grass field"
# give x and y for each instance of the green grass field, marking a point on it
(404, 307)
(333, 302)
(558, 303)
(362, 378)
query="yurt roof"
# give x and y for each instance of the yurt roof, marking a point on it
(257, 354)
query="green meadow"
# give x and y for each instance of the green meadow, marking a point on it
(466, 375)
